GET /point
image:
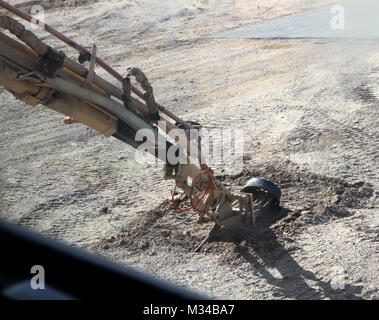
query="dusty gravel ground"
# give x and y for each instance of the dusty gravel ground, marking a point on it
(310, 116)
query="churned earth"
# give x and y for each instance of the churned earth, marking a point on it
(309, 114)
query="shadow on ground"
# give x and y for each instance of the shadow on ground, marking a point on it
(263, 250)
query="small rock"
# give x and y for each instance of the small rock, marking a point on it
(178, 236)
(359, 184)
(336, 199)
(111, 239)
(340, 191)
(165, 233)
(106, 247)
(104, 210)
(144, 245)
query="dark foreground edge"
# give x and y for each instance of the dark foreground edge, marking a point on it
(28, 259)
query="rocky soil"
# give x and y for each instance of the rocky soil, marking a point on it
(309, 111)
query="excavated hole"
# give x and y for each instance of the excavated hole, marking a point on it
(307, 198)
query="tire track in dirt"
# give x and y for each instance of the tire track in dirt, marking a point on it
(355, 137)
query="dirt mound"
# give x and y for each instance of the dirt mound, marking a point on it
(158, 227)
(307, 198)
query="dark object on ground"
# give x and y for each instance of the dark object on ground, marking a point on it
(71, 273)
